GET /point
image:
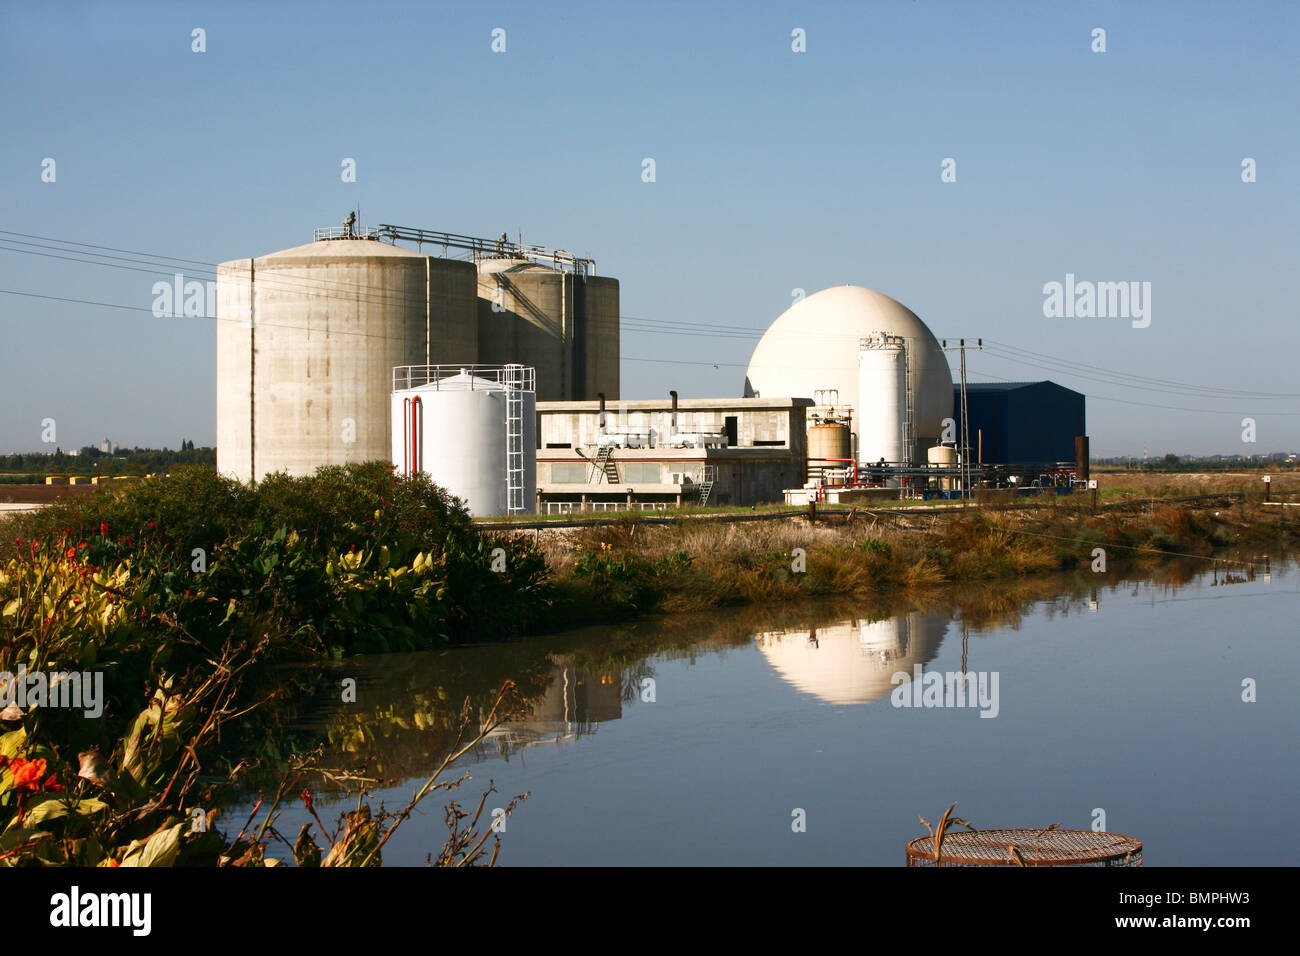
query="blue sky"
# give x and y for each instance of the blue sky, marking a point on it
(775, 170)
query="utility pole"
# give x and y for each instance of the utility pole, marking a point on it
(965, 421)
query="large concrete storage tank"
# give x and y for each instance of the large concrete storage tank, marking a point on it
(307, 340)
(472, 430)
(562, 323)
(815, 343)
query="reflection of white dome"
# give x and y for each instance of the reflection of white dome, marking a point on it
(853, 662)
(814, 345)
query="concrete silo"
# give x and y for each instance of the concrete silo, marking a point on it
(564, 324)
(815, 344)
(307, 340)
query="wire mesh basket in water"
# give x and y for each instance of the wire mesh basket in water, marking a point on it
(1024, 847)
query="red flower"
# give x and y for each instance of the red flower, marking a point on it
(151, 524)
(103, 528)
(72, 552)
(27, 773)
(307, 800)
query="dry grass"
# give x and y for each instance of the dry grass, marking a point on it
(699, 564)
(1126, 484)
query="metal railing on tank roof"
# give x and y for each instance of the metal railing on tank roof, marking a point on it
(474, 247)
(495, 377)
(344, 232)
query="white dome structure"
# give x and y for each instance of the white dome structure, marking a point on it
(815, 343)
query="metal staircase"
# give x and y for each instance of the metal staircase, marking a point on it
(603, 467)
(516, 380)
(706, 484)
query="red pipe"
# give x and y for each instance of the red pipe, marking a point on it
(416, 415)
(406, 438)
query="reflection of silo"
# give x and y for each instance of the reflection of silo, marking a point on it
(564, 325)
(577, 697)
(307, 340)
(575, 703)
(853, 662)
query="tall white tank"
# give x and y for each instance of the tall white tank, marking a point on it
(472, 430)
(882, 400)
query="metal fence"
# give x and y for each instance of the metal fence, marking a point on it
(572, 507)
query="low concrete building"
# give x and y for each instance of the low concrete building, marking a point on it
(669, 452)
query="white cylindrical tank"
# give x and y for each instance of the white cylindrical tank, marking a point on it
(882, 398)
(472, 430)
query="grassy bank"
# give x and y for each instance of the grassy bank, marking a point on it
(630, 568)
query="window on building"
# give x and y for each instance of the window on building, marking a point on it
(645, 472)
(568, 472)
(732, 429)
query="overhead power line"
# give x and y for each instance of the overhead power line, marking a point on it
(163, 265)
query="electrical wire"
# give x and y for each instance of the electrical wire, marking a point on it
(157, 264)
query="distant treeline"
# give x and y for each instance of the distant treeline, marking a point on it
(1178, 464)
(90, 461)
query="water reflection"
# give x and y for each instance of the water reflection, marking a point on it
(800, 689)
(838, 653)
(573, 706)
(853, 661)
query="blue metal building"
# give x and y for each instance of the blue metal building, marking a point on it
(1022, 422)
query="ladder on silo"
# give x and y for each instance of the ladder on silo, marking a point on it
(514, 382)
(909, 421)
